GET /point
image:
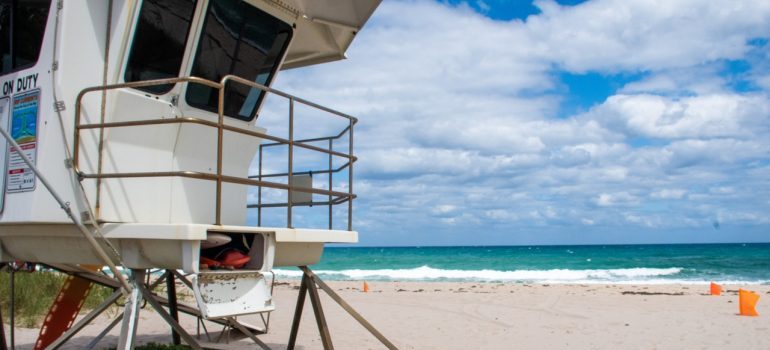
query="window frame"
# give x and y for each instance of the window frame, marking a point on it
(193, 53)
(192, 32)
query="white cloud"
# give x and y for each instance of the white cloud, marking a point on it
(705, 79)
(669, 193)
(444, 209)
(616, 199)
(691, 117)
(461, 116)
(714, 153)
(722, 190)
(632, 35)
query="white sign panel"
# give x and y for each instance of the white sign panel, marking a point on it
(24, 119)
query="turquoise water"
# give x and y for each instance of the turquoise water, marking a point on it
(648, 264)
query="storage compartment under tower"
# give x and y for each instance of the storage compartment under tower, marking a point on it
(232, 291)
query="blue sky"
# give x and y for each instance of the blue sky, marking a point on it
(545, 122)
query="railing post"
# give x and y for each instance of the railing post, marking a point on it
(220, 137)
(350, 177)
(291, 161)
(331, 182)
(259, 190)
(103, 117)
(76, 137)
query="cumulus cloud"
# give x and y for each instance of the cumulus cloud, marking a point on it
(707, 116)
(462, 126)
(633, 35)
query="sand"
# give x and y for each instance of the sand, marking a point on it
(419, 315)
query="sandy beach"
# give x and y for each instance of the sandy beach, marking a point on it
(422, 315)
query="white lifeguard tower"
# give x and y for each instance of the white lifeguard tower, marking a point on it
(132, 139)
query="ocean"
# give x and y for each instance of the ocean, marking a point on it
(624, 264)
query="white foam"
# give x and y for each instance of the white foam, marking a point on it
(426, 273)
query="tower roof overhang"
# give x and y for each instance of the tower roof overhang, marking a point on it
(324, 29)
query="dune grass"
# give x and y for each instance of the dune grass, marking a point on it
(35, 292)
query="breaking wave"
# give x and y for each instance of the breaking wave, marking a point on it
(427, 273)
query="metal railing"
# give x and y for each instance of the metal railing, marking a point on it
(330, 171)
(335, 197)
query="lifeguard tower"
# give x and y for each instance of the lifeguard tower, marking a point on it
(143, 135)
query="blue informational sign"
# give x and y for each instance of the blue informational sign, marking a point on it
(24, 119)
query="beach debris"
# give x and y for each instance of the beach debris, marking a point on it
(716, 289)
(366, 287)
(747, 301)
(628, 292)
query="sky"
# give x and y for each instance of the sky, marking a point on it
(555, 122)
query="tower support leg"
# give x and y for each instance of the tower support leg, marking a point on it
(172, 304)
(320, 319)
(140, 292)
(3, 344)
(297, 314)
(310, 283)
(131, 312)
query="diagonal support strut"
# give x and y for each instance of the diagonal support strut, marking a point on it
(308, 284)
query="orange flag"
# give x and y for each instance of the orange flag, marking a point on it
(747, 301)
(366, 287)
(716, 289)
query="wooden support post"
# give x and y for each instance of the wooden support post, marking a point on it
(320, 319)
(172, 305)
(361, 320)
(297, 314)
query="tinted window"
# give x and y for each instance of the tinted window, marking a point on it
(242, 40)
(159, 42)
(22, 27)
(6, 60)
